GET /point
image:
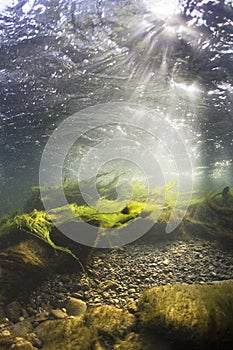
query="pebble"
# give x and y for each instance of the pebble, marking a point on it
(77, 295)
(57, 314)
(166, 262)
(132, 291)
(119, 275)
(42, 316)
(6, 333)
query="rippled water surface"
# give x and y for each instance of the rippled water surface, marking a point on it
(58, 57)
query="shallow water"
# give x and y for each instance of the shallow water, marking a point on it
(148, 85)
(59, 57)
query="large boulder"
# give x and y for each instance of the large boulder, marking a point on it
(198, 314)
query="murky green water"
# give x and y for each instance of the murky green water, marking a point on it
(59, 57)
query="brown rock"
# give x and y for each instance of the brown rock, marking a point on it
(13, 311)
(57, 313)
(43, 316)
(109, 284)
(75, 307)
(21, 328)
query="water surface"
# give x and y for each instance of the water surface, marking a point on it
(58, 57)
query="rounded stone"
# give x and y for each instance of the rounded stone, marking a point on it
(75, 307)
(13, 311)
(57, 313)
(6, 333)
(21, 328)
(132, 290)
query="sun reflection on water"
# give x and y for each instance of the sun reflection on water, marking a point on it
(162, 7)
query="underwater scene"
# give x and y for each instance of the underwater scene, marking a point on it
(116, 174)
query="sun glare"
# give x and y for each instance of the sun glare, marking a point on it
(161, 7)
(190, 90)
(5, 3)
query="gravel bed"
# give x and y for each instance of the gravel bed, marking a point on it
(117, 277)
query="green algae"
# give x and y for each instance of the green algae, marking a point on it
(112, 217)
(52, 195)
(119, 213)
(7, 226)
(208, 213)
(221, 200)
(212, 215)
(39, 225)
(132, 341)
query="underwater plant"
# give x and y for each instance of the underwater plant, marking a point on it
(39, 225)
(207, 213)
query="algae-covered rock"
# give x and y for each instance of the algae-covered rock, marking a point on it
(66, 334)
(32, 337)
(28, 254)
(22, 344)
(98, 326)
(23, 265)
(8, 342)
(190, 312)
(131, 342)
(141, 341)
(110, 320)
